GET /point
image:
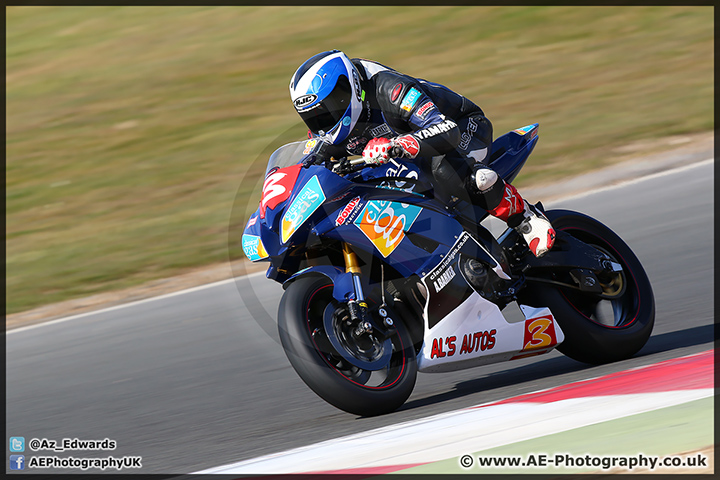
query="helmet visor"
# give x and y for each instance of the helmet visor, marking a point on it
(331, 109)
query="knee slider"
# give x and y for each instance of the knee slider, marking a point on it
(484, 178)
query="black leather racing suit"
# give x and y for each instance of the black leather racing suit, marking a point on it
(453, 132)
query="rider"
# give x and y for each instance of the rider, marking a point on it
(365, 108)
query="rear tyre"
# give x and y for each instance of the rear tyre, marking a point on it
(362, 375)
(606, 328)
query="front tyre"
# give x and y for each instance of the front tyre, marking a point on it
(361, 375)
(599, 328)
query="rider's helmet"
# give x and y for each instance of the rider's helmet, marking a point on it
(326, 93)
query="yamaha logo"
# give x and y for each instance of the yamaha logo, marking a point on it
(304, 101)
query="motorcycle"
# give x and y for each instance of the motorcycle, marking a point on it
(383, 279)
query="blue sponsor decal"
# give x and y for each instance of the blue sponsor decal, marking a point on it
(346, 121)
(253, 247)
(307, 201)
(525, 130)
(411, 98)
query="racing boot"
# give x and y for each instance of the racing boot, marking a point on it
(534, 226)
(526, 219)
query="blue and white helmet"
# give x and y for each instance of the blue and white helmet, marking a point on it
(326, 93)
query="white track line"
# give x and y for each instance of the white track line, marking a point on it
(453, 434)
(131, 304)
(222, 282)
(634, 181)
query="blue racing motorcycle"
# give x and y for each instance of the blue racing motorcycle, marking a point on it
(383, 279)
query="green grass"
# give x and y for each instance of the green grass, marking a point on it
(662, 432)
(130, 130)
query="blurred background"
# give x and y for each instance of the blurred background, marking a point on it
(132, 131)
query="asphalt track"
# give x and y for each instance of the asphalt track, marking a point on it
(197, 380)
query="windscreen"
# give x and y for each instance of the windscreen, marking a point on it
(293, 153)
(286, 156)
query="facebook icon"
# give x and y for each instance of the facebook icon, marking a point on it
(17, 462)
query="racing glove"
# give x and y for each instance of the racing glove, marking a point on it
(378, 150)
(406, 146)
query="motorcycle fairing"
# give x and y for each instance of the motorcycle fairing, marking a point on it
(308, 199)
(476, 333)
(511, 150)
(397, 175)
(277, 187)
(413, 238)
(541, 333)
(312, 180)
(464, 329)
(411, 216)
(421, 224)
(258, 241)
(444, 282)
(384, 223)
(509, 153)
(253, 247)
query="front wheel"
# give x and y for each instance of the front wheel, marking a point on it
(601, 328)
(363, 375)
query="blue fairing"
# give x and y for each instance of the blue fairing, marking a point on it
(387, 212)
(511, 151)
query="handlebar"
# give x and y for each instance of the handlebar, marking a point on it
(343, 166)
(350, 166)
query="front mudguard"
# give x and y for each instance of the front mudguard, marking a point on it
(343, 288)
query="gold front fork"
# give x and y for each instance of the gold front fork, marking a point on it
(352, 266)
(351, 261)
(358, 307)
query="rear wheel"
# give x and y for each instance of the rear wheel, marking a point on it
(607, 327)
(361, 374)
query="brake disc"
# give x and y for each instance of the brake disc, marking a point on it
(364, 351)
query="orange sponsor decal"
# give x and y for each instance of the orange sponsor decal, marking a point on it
(384, 223)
